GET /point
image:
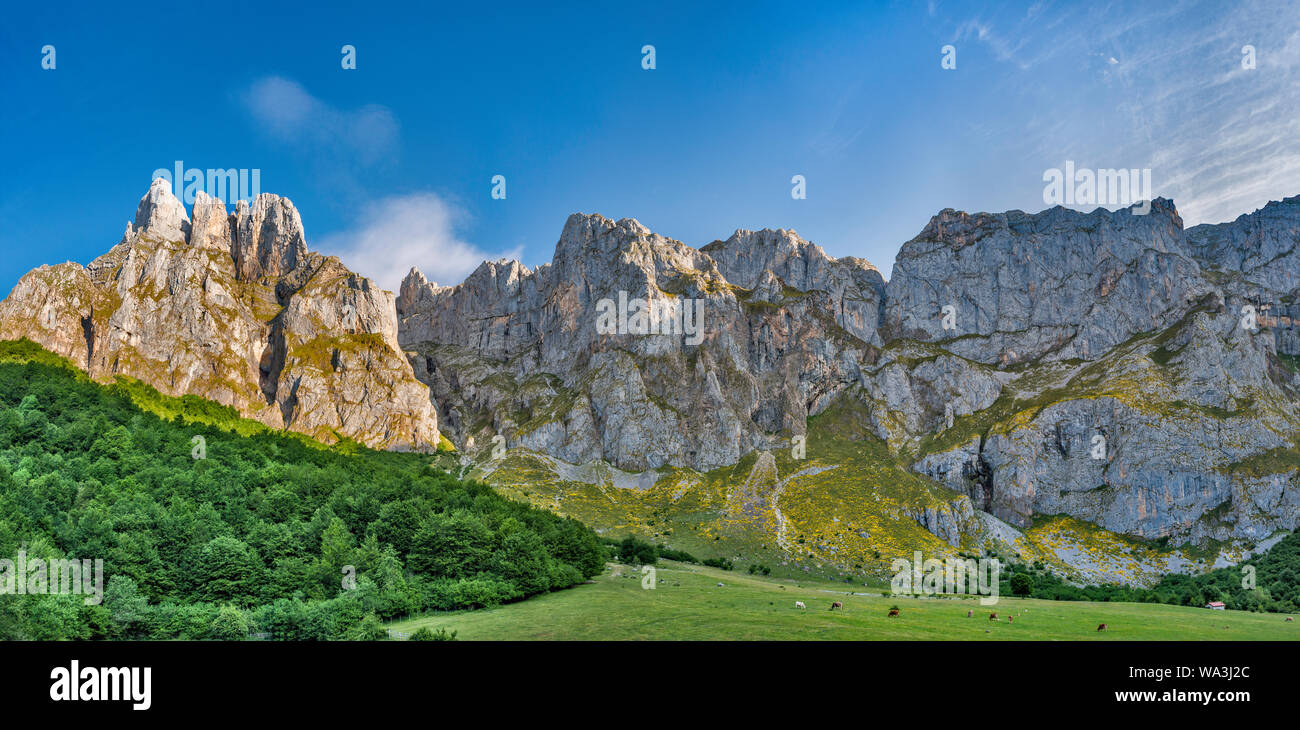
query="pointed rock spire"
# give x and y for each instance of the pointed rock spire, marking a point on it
(160, 215)
(269, 239)
(211, 226)
(411, 291)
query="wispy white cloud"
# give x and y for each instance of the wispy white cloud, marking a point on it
(1159, 86)
(288, 112)
(395, 233)
(982, 31)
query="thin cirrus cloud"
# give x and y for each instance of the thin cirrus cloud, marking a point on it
(395, 233)
(1160, 87)
(288, 112)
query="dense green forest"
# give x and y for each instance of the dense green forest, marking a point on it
(1274, 586)
(269, 534)
(273, 535)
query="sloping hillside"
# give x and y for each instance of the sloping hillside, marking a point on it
(206, 525)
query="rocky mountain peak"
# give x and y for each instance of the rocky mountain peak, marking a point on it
(584, 226)
(413, 291)
(700, 397)
(160, 215)
(287, 337)
(586, 235)
(269, 238)
(749, 259)
(1263, 245)
(957, 229)
(415, 278)
(1059, 283)
(744, 257)
(210, 228)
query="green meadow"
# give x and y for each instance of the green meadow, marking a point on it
(689, 605)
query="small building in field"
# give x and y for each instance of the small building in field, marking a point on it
(1216, 605)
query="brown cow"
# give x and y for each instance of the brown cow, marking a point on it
(893, 612)
(837, 604)
(993, 617)
(1288, 618)
(1011, 619)
(1101, 627)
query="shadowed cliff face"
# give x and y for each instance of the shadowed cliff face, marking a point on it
(233, 308)
(1139, 401)
(1003, 348)
(522, 353)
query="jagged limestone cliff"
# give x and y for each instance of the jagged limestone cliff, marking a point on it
(233, 308)
(1023, 382)
(1091, 365)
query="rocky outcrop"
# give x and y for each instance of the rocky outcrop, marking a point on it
(749, 259)
(233, 308)
(1260, 246)
(269, 241)
(1162, 421)
(1059, 284)
(522, 354)
(1003, 352)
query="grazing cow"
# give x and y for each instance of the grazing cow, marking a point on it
(970, 613)
(799, 604)
(837, 604)
(1011, 619)
(893, 612)
(1288, 618)
(993, 617)
(1101, 627)
(719, 585)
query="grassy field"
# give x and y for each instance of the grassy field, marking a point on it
(689, 605)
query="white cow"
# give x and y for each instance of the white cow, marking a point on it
(799, 604)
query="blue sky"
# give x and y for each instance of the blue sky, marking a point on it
(391, 164)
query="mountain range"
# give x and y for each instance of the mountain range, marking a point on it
(1108, 392)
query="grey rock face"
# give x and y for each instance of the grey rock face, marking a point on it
(518, 353)
(1059, 284)
(1261, 246)
(234, 309)
(269, 240)
(1165, 436)
(1065, 327)
(856, 288)
(949, 521)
